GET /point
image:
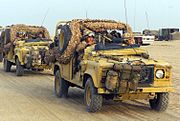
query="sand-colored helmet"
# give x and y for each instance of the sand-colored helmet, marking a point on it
(88, 33)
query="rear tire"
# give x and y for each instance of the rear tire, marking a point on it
(19, 68)
(92, 100)
(1, 57)
(160, 102)
(7, 65)
(61, 86)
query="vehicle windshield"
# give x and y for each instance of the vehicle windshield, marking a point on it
(30, 36)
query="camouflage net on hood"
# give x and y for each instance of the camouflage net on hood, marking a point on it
(14, 29)
(93, 25)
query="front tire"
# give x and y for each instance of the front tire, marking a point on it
(92, 100)
(7, 65)
(160, 102)
(61, 86)
(19, 68)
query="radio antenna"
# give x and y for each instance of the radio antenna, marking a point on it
(125, 10)
(135, 16)
(45, 17)
(147, 19)
(86, 14)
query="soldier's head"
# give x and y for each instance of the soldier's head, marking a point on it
(19, 34)
(40, 35)
(129, 38)
(90, 39)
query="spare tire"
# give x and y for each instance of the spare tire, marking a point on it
(64, 38)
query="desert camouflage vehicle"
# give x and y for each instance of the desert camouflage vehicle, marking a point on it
(25, 47)
(1, 55)
(100, 57)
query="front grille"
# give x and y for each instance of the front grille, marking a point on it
(147, 75)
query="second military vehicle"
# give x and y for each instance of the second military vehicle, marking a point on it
(165, 33)
(25, 47)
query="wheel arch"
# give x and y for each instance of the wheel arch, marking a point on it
(56, 68)
(88, 75)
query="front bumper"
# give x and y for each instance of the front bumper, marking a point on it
(155, 89)
(141, 90)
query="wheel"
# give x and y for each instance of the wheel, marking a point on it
(92, 100)
(160, 102)
(7, 65)
(1, 57)
(19, 68)
(61, 86)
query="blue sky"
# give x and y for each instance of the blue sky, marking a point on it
(161, 13)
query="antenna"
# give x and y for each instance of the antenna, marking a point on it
(125, 8)
(86, 14)
(147, 19)
(45, 17)
(135, 16)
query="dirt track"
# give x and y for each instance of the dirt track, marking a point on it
(31, 97)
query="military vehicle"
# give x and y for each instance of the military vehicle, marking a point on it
(24, 46)
(165, 33)
(100, 57)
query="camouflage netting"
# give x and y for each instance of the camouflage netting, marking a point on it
(93, 25)
(29, 29)
(14, 29)
(105, 24)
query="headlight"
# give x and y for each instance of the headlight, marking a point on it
(159, 74)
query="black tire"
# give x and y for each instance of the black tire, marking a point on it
(61, 86)
(160, 102)
(1, 57)
(65, 35)
(92, 100)
(19, 68)
(7, 65)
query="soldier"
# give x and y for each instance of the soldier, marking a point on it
(87, 40)
(129, 38)
(40, 35)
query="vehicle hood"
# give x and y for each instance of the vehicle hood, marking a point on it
(105, 58)
(122, 52)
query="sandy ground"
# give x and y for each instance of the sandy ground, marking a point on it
(31, 97)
